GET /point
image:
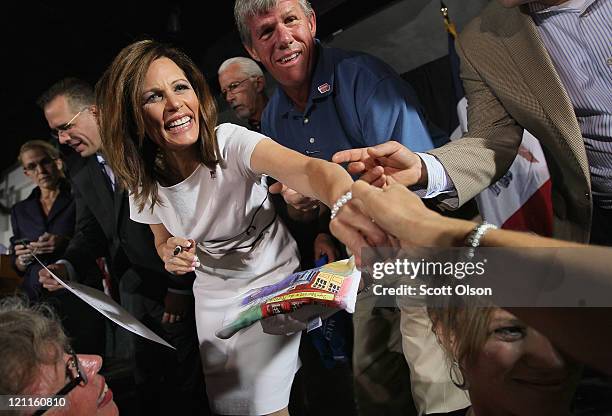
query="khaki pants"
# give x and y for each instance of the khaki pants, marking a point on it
(381, 375)
(394, 351)
(432, 389)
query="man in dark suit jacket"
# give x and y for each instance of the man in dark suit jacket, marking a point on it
(160, 300)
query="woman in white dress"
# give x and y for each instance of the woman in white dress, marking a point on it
(200, 188)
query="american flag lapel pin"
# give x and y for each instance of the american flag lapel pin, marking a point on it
(323, 88)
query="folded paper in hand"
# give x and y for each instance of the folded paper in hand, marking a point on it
(108, 307)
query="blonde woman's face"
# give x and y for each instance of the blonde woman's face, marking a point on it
(518, 371)
(170, 106)
(44, 171)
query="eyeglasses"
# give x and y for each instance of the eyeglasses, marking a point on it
(42, 163)
(64, 128)
(77, 376)
(231, 87)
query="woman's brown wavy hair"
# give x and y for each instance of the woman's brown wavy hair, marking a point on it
(135, 159)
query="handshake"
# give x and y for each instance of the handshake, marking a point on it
(381, 211)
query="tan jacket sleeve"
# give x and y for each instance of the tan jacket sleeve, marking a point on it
(487, 150)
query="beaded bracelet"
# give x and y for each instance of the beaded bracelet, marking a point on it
(473, 239)
(340, 203)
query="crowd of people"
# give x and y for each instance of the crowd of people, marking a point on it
(180, 216)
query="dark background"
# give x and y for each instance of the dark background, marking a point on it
(44, 41)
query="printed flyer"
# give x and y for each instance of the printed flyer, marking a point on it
(324, 290)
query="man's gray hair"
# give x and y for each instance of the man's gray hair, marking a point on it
(245, 9)
(247, 66)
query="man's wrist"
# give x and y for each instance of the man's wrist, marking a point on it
(70, 272)
(423, 181)
(438, 181)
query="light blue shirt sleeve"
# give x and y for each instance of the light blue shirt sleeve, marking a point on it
(439, 184)
(392, 114)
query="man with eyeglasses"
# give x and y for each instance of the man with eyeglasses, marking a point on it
(68, 134)
(165, 380)
(243, 86)
(39, 374)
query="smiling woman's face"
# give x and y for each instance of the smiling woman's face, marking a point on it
(93, 398)
(518, 371)
(170, 106)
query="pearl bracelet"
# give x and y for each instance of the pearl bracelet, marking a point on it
(339, 203)
(473, 239)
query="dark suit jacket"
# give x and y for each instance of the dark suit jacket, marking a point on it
(29, 221)
(104, 228)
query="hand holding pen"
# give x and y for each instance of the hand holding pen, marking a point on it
(179, 255)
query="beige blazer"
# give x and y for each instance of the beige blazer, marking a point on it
(511, 84)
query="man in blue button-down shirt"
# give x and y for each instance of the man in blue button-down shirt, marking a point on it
(331, 100)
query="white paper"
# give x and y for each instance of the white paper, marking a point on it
(109, 308)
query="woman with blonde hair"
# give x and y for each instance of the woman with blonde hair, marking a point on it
(506, 366)
(43, 224)
(200, 187)
(44, 221)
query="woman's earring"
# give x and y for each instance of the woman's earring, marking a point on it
(457, 377)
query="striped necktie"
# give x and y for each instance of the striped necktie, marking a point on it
(108, 174)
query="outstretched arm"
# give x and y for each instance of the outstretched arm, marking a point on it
(386, 160)
(318, 179)
(577, 331)
(402, 213)
(312, 177)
